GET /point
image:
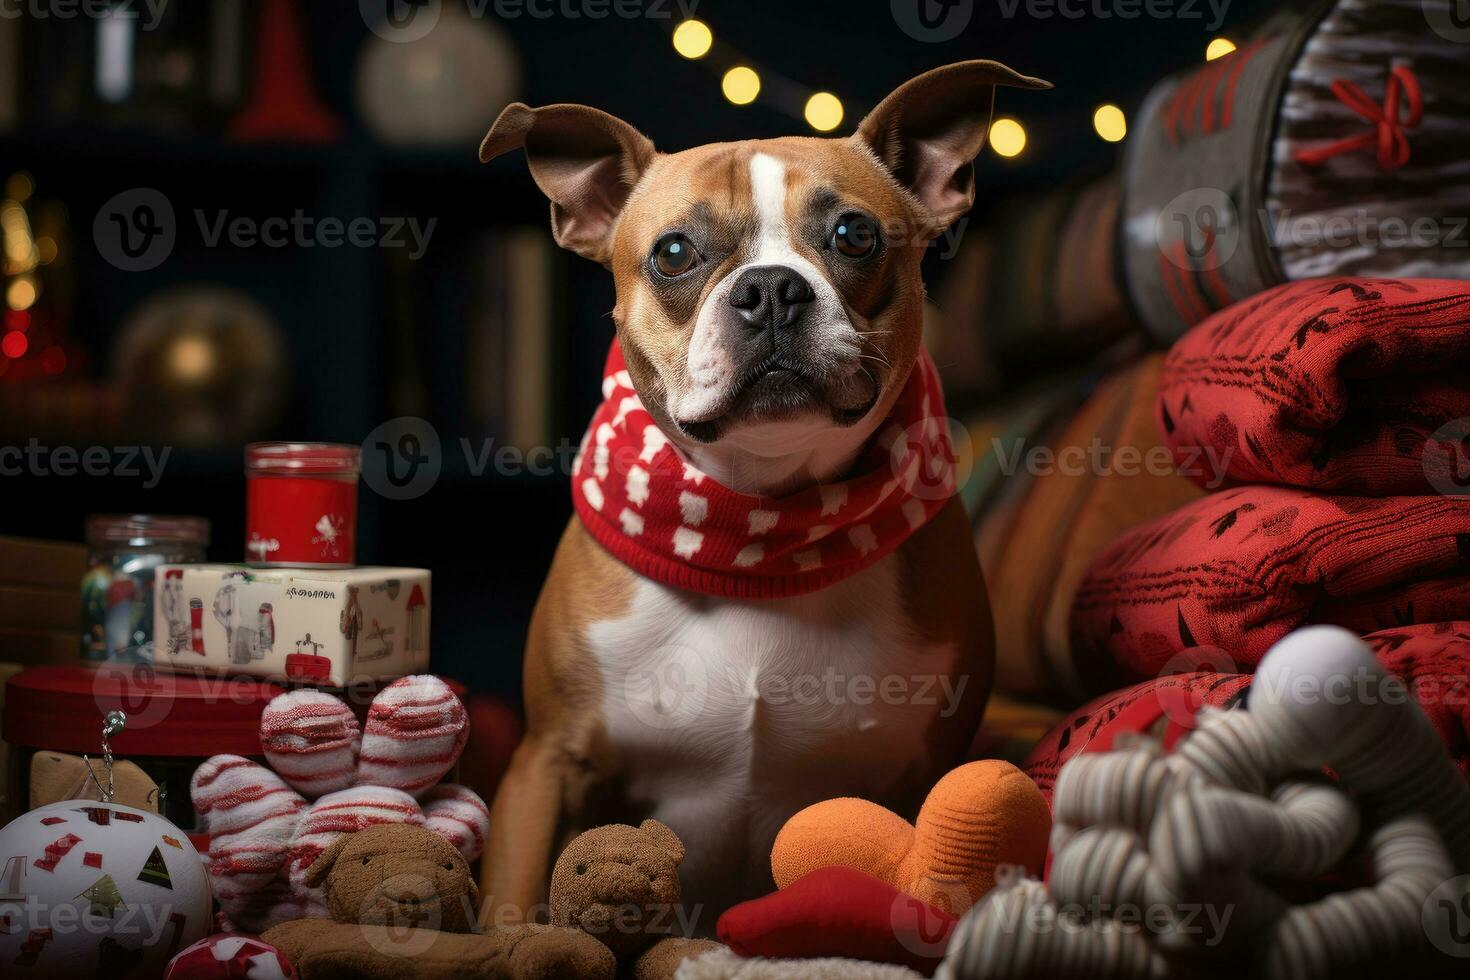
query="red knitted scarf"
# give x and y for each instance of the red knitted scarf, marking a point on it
(644, 502)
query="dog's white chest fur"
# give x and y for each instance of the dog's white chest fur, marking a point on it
(725, 717)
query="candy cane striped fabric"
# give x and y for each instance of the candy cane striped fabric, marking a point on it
(312, 741)
(265, 834)
(416, 729)
(250, 816)
(457, 814)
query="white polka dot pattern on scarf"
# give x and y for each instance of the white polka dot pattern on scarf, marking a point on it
(660, 515)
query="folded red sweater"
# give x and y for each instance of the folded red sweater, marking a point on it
(1355, 385)
(1240, 569)
(1433, 659)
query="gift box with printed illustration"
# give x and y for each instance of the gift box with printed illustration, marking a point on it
(324, 626)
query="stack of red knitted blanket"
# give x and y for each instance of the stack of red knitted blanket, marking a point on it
(1352, 386)
(1339, 412)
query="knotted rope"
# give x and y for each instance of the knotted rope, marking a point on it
(1180, 863)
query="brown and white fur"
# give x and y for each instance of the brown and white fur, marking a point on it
(769, 364)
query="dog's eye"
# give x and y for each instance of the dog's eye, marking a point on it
(581, 869)
(674, 255)
(366, 860)
(448, 865)
(856, 236)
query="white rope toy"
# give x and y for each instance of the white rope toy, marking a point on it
(1150, 848)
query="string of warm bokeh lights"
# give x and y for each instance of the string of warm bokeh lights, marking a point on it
(22, 253)
(742, 81)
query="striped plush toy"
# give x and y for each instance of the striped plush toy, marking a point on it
(330, 777)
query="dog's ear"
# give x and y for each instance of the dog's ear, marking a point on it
(322, 866)
(583, 159)
(664, 838)
(930, 129)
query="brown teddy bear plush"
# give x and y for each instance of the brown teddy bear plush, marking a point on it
(381, 876)
(620, 884)
(402, 901)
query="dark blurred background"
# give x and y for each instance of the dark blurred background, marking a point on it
(269, 109)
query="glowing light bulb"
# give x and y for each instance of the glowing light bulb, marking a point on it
(693, 39)
(21, 294)
(1007, 137)
(14, 345)
(191, 358)
(823, 112)
(741, 85)
(1110, 123)
(1219, 48)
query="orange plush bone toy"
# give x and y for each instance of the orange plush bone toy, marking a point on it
(978, 816)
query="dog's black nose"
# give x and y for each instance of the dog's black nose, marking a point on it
(771, 297)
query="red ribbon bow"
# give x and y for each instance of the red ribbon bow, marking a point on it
(1388, 132)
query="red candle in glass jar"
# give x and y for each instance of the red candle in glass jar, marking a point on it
(301, 504)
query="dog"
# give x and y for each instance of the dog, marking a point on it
(769, 319)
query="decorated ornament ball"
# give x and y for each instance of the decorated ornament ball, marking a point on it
(229, 956)
(91, 889)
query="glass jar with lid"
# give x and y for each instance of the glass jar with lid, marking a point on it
(117, 589)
